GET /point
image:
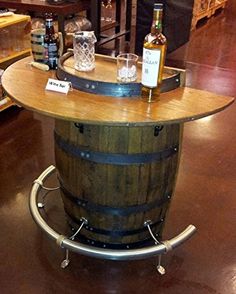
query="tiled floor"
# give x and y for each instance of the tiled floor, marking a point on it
(205, 194)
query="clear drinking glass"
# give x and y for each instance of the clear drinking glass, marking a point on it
(4, 43)
(84, 50)
(127, 67)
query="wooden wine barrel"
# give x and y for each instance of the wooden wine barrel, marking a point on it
(117, 177)
(117, 165)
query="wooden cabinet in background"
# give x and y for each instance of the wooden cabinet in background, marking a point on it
(205, 8)
(14, 44)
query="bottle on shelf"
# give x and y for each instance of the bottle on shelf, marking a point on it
(103, 10)
(50, 42)
(154, 51)
(109, 11)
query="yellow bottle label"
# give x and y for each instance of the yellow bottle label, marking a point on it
(150, 68)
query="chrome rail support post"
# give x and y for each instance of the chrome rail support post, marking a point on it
(161, 270)
(48, 189)
(66, 261)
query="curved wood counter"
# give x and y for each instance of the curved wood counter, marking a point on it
(26, 85)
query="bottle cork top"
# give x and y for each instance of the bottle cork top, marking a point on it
(158, 6)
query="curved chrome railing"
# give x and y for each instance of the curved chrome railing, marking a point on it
(68, 244)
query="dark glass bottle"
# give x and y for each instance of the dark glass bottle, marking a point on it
(50, 42)
(154, 51)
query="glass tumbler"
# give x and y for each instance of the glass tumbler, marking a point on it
(84, 50)
(127, 67)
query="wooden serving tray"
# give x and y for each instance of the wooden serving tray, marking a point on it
(102, 80)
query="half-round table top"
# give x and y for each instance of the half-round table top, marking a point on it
(26, 86)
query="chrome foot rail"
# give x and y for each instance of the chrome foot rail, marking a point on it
(70, 245)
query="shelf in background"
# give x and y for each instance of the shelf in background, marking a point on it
(13, 19)
(16, 27)
(108, 25)
(15, 55)
(8, 103)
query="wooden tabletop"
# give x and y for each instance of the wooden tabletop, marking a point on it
(26, 85)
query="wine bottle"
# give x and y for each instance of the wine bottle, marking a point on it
(154, 51)
(50, 43)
